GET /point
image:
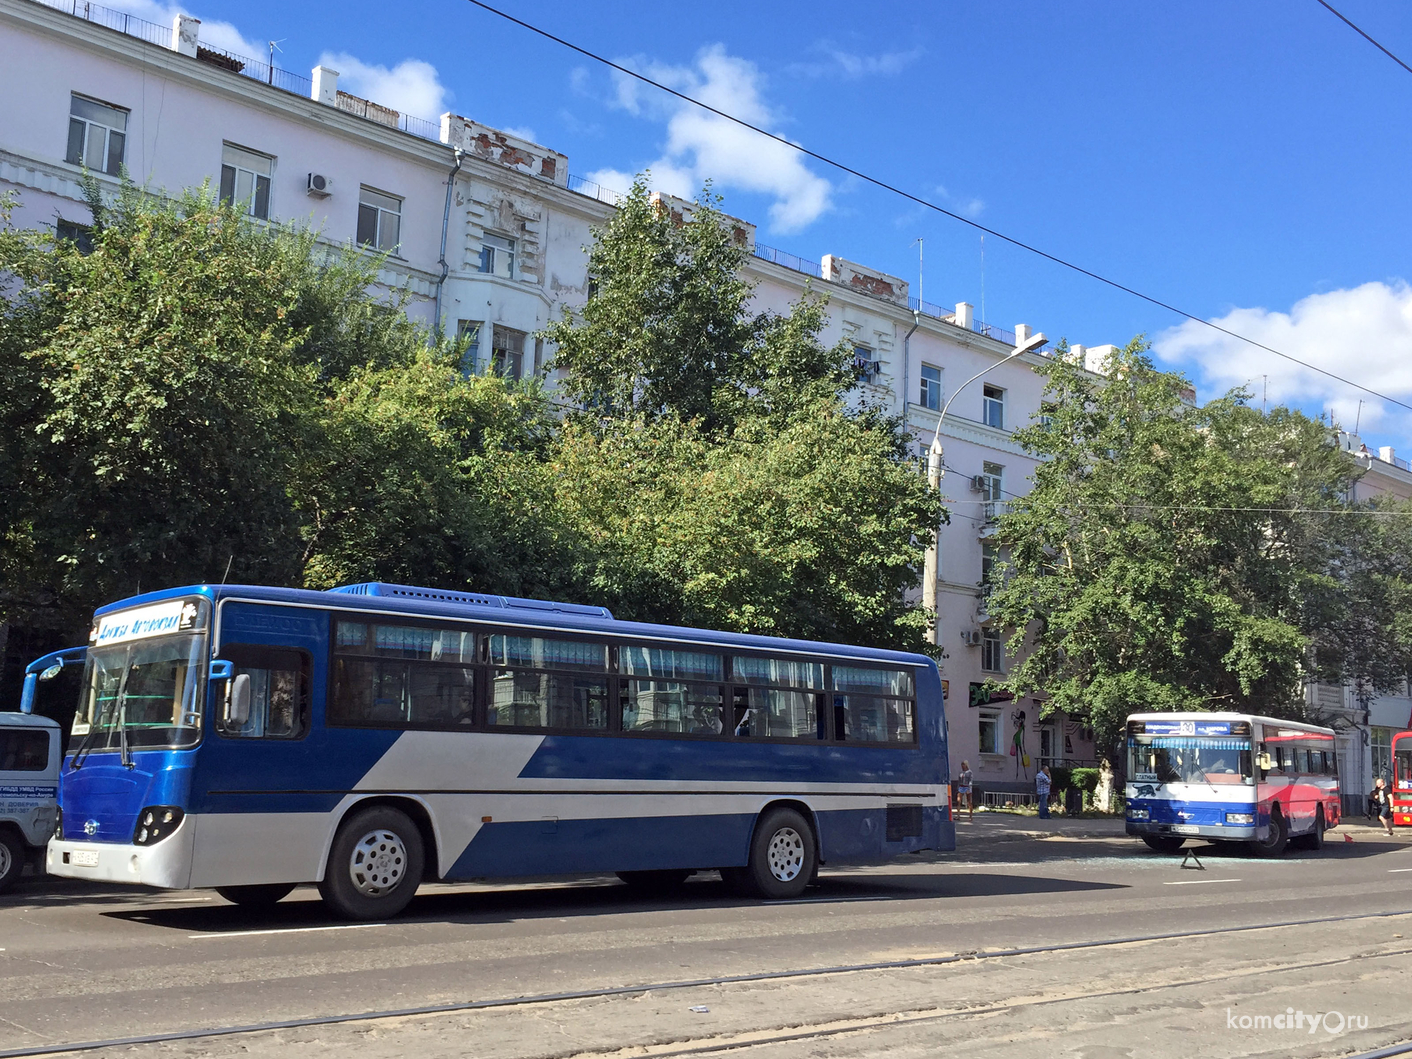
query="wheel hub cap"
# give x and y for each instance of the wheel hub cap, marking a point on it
(378, 863)
(786, 854)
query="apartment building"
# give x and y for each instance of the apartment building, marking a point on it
(487, 232)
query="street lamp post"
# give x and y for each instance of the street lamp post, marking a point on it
(936, 470)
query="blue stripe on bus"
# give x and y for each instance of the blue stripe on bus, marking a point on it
(1164, 811)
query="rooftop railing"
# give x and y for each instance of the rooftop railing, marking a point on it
(789, 261)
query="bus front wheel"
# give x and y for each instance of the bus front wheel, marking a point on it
(374, 866)
(1277, 836)
(259, 896)
(1164, 843)
(783, 856)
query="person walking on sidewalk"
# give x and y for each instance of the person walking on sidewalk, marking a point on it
(1382, 797)
(1041, 786)
(963, 790)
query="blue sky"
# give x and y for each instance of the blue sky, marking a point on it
(1243, 161)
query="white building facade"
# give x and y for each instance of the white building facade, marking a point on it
(488, 234)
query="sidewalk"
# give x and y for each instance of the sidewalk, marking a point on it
(1006, 826)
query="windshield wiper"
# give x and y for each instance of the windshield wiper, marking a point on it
(124, 752)
(119, 703)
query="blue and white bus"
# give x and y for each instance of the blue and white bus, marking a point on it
(1230, 777)
(374, 736)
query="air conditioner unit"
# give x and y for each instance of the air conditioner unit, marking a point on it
(978, 483)
(320, 185)
(971, 637)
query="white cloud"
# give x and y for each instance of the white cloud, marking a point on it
(702, 146)
(412, 86)
(524, 132)
(1363, 334)
(853, 66)
(221, 36)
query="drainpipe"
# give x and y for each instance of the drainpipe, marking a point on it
(445, 224)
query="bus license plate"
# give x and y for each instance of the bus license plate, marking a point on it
(1185, 829)
(84, 858)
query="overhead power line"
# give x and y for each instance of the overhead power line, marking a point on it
(876, 182)
(1349, 23)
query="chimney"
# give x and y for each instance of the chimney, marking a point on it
(186, 32)
(325, 86)
(963, 316)
(1022, 334)
(1386, 454)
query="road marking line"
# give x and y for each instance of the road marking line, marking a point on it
(286, 930)
(1391, 870)
(1193, 882)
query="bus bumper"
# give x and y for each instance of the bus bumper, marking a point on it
(166, 864)
(1241, 833)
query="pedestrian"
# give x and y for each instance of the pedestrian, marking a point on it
(963, 790)
(1041, 786)
(1383, 798)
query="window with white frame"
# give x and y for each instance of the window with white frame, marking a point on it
(993, 407)
(989, 732)
(245, 180)
(865, 362)
(992, 489)
(992, 651)
(497, 256)
(468, 331)
(1381, 746)
(97, 135)
(379, 219)
(507, 352)
(931, 387)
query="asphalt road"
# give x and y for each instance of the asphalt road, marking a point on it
(81, 963)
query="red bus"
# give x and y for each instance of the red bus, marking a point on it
(1402, 779)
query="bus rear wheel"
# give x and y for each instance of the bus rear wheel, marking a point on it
(783, 856)
(1276, 839)
(374, 865)
(1164, 843)
(260, 896)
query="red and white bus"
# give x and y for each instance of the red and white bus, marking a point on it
(1402, 779)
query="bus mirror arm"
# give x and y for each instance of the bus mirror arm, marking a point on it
(222, 670)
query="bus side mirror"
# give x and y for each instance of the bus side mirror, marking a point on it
(1263, 761)
(238, 701)
(222, 670)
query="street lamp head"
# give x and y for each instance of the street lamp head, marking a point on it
(1032, 343)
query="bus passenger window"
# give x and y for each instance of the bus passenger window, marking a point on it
(669, 706)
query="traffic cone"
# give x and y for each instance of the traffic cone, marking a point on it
(1348, 838)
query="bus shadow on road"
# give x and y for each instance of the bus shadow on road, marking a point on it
(504, 904)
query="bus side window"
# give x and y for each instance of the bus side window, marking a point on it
(279, 691)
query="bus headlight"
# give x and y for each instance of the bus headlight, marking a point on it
(1240, 818)
(1137, 814)
(155, 823)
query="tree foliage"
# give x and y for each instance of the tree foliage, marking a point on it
(1175, 556)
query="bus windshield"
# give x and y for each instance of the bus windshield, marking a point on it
(149, 687)
(1158, 759)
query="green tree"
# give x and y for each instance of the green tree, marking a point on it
(1176, 556)
(723, 474)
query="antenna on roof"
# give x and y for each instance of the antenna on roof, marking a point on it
(274, 47)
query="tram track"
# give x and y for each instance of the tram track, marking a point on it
(827, 1030)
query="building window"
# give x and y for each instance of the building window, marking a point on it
(864, 362)
(931, 387)
(507, 352)
(1381, 739)
(379, 220)
(497, 256)
(992, 488)
(97, 135)
(468, 331)
(992, 651)
(990, 732)
(990, 555)
(245, 180)
(993, 407)
(80, 235)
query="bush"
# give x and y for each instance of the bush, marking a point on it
(1085, 780)
(1061, 778)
